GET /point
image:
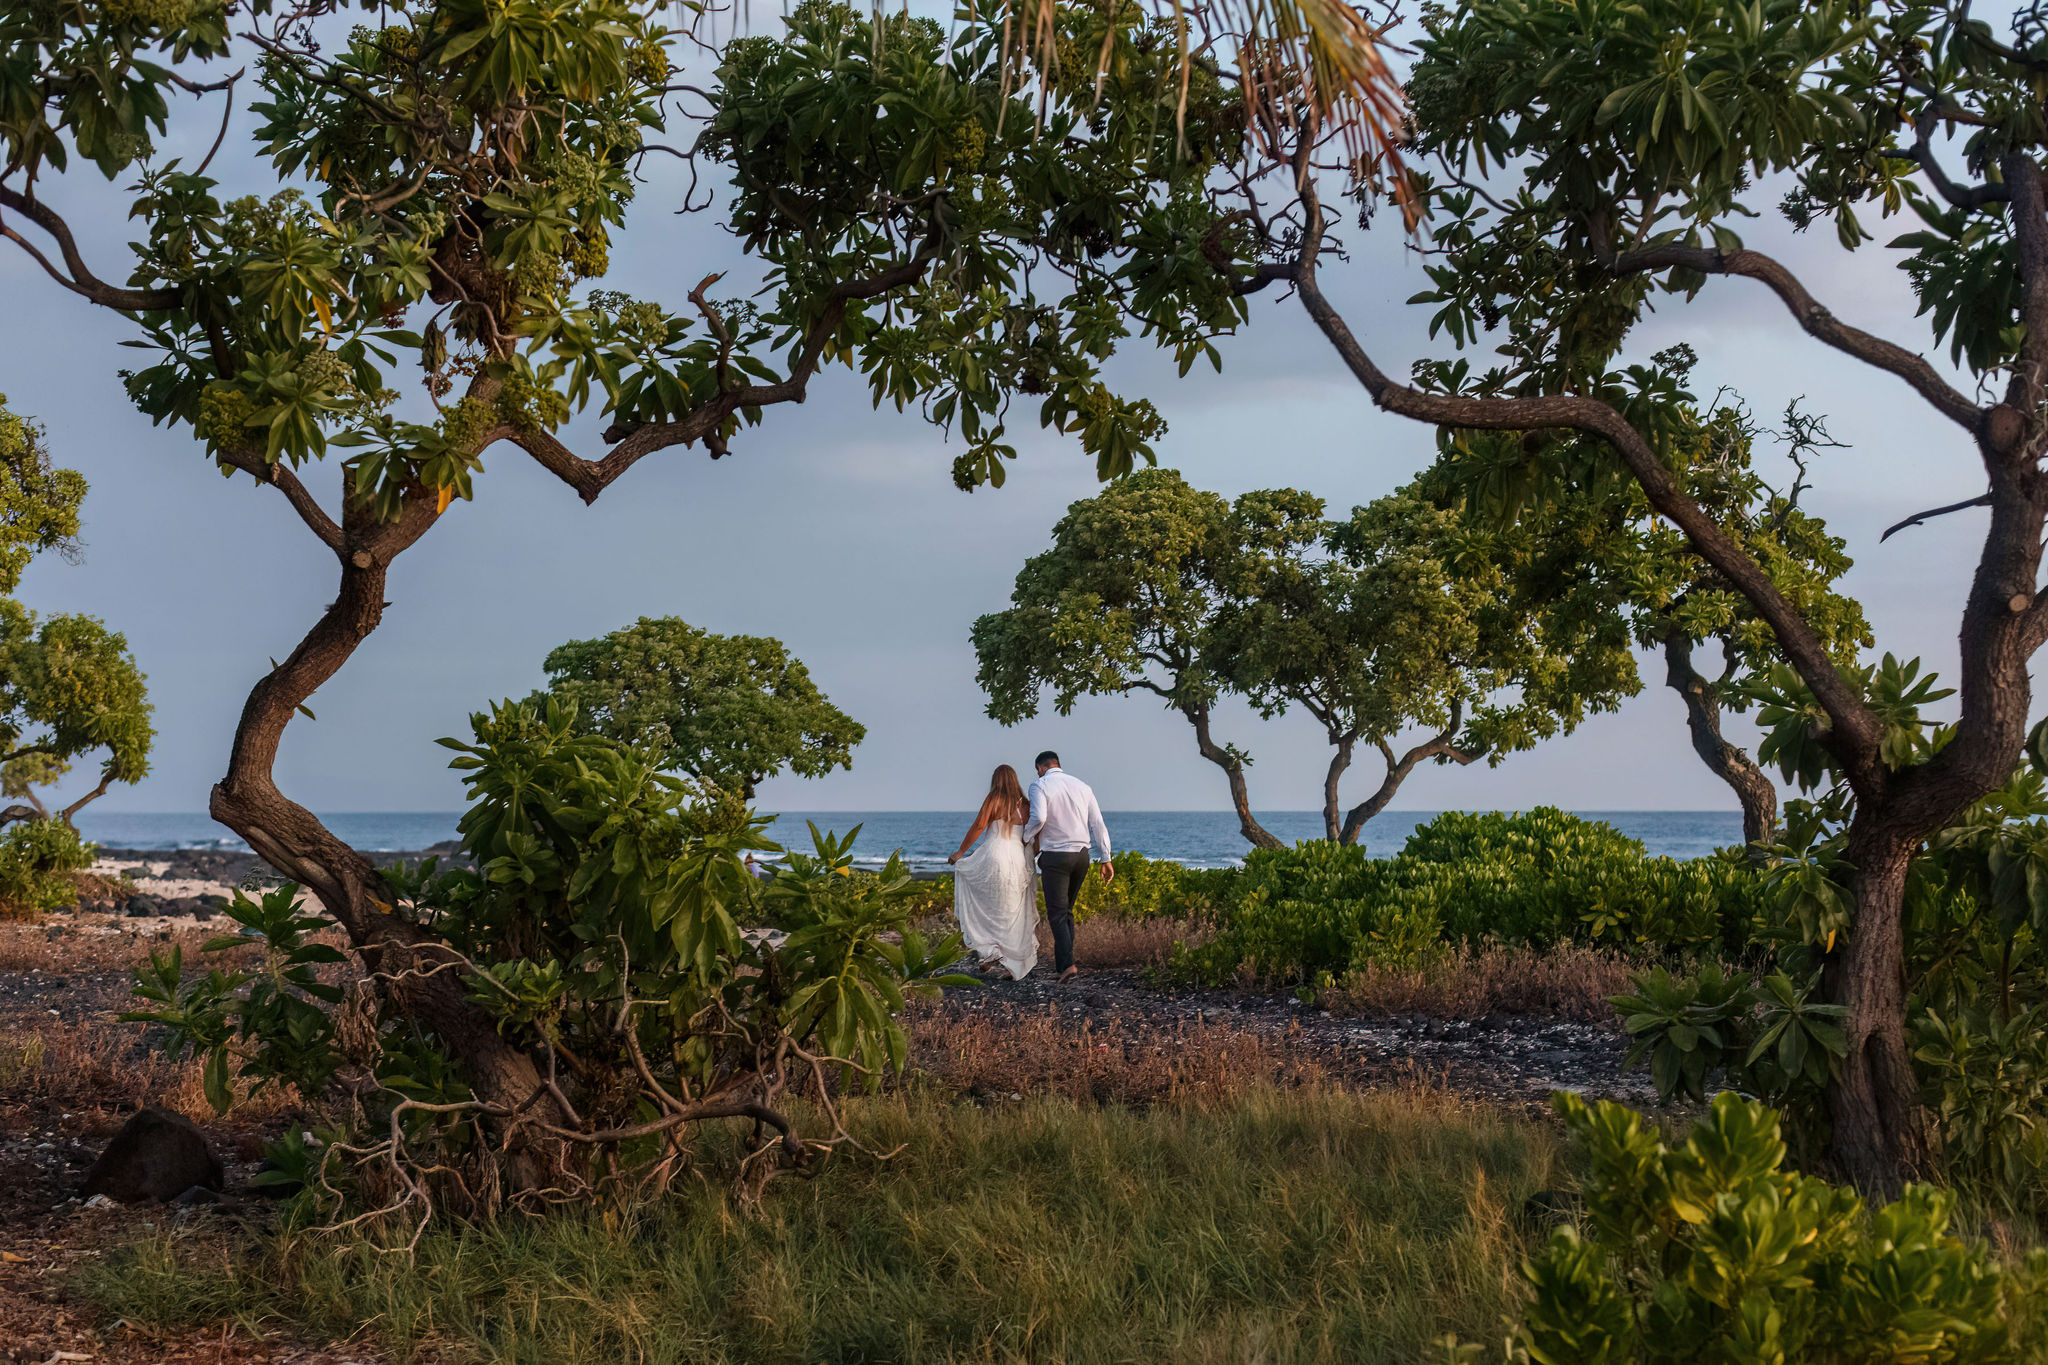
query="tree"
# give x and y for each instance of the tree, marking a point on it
(1125, 602)
(1406, 615)
(730, 711)
(1402, 615)
(1673, 601)
(1585, 159)
(68, 685)
(465, 167)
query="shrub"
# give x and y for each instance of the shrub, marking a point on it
(1319, 911)
(1713, 1251)
(35, 855)
(600, 930)
(1145, 887)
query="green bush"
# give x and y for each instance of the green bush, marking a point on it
(34, 856)
(1145, 887)
(600, 930)
(1713, 1251)
(1314, 912)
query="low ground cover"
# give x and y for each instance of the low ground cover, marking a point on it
(1301, 1225)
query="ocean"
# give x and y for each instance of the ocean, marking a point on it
(1198, 838)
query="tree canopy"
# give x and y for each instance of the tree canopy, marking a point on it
(728, 710)
(68, 685)
(1575, 164)
(1404, 615)
(443, 188)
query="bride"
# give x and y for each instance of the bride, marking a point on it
(995, 891)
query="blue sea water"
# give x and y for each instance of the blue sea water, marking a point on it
(1197, 838)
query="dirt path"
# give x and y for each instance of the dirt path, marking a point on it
(1511, 1059)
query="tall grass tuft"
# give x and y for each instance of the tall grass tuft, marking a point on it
(1278, 1226)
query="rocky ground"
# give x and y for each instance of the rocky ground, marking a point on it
(70, 1075)
(1513, 1059)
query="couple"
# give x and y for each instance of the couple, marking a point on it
(993, 892)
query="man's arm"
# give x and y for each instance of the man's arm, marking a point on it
(1096, 829)
(1037, 821)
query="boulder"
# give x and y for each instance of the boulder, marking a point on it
(138, 906)
(157, 1155)
(1551, 1208)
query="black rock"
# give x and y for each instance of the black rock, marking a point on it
(1549, 1208)
(135, 872)
(157, 1156)
(138, 906)
(198, 1194)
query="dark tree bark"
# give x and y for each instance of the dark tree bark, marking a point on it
(1232, 764)
(1439, 746)
(1881, 1137)
(1726, 761)
(1881, 1134)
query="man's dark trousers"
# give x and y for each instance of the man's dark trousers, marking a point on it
(1062, 876)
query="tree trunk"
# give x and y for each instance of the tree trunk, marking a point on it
(1441, 746)
(1726, 761)
(418, 972)
(1881, 1137)
(1232, 764)
(1332, 810)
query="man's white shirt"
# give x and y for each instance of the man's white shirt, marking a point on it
(1065, 815)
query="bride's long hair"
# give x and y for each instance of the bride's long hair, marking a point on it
(1008, 795)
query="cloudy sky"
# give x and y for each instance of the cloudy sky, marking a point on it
(838, 530)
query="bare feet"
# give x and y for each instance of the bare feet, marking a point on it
(1069, 974)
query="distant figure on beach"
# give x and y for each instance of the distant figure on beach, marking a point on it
(1065, 820)
(995, 897)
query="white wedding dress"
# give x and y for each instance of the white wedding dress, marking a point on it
(995, 898)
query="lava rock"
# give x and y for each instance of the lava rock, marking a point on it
(1550, 1208)
(157, 1156)
(139, 906)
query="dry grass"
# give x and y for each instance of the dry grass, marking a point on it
(92, 886)
(1289, 1227)
(1105, 942)
(112, 1066)
(1471, 983)
(81, 944)
(1004, 1055)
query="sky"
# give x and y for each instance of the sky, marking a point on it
(838, 530)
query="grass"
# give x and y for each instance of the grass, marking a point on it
(1279, 1226)
(1565, 981)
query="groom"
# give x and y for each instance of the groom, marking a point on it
(1064, 817)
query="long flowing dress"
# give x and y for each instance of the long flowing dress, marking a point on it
(995, 898)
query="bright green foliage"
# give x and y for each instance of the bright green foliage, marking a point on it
(906, 198)
(1976, 915)
(849, 146)
(38, 502)
(1403, 615)
(602, 922)
(1624, 560)
(1147, 887)
(728, 710)
(69, 686)
(1713, 1251)
(34, 856)
(1122, 602)
(1313, 913)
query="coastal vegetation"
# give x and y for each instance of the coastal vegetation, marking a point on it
(727, 711)
(536, 1104)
